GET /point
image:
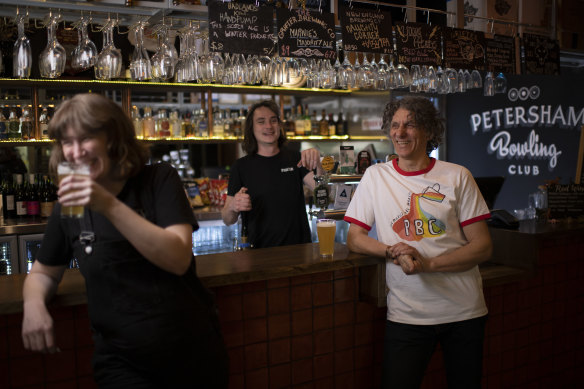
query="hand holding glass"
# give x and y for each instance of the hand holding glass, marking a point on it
(326, 229)
(65, 169)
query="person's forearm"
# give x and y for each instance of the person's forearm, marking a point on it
(463, 258)
(38, 288)
(161, 246)
(365, 244)
(229, 216)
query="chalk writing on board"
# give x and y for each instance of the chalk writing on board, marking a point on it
(542, 55)
(304, 33)
(464, 49)
(418, 43)
(500, 54)
(241, 28)
(367, 31)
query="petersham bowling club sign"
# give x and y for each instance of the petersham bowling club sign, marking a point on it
(529, 134)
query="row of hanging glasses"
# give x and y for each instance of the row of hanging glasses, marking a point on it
(196, 63)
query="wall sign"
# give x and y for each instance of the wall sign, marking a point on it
(565, 201)
(500, 54)
(242, 28)
(542, 55)
(529, 135)
(366, 30)
(418, 43)
(464, 49)
(306, 34)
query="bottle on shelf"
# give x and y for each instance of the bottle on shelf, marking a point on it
(299, 121)
(3, 126)
(289, 126)
(13, 125)
(237, 124)
(218, 125)
(323, 125)
(137, 122)
(228, 123)
(332, 127)
(148, 125)
(186, 125)
(8, 198)
(48, 196)
(44, 123)
(203, 124)
(241, 121)
(33, 205)
(162, 124)
(341, 125)
(20, 198)
(26, 127)
(175, 125)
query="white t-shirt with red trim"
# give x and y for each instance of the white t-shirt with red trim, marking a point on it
(427, 210)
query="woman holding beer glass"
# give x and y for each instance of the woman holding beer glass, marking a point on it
(154, 323)
(430, 221)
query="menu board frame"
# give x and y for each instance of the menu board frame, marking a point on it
(304, 33)
(464, 49)
(241, 28)
(418, 44)
(541, 55)
(366, 30)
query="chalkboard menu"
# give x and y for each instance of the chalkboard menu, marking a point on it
(464, 49)
(366, 30)
(542, 55)
(306, 34)
(500, 54)
(243, 28)
(565, 201)
(418, 43)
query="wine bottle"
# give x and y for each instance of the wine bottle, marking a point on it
(8, 202)
(33, 206)
(20, 199)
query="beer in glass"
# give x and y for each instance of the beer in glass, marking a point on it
(326, 229)
(65, 169)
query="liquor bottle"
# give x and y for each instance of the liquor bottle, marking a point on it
(162, 124)
(299, 121)
(332, 127)
(244, 240)
(323, 125)
(13, 125)
(314, 124)
(47, 198)
(241, 120)
(228, 125)
(218, 125)
(8, 199)
(341, 125)
(26, 128)
(237, 124)
(44, 123)
(20, 198)
(203, 124)
(148, 125)
(137, 122)
(186, 125)
(307, 122)
(3, 126)
(33, 206)
(175, 125)
(289, 126)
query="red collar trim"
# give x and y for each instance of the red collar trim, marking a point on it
(416, 173)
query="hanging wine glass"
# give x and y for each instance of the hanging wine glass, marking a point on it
(476, 80)
(109, 60)
(392, 76)
(500, 83)
(253, 70)
(204, 61)
(346, 73)
(467, 79)
(452, 78)
(240, 70)
(415, 75)
(140, 66)
(432, 80)
(489, 88)
(442, 86)
(165, 58)
(21, 53)
(182, 66)
(193, 65)
(424, 78)
(52, 58)
(326, 74)
(461, 82)
(403, 79)
(358, 74)
(217, 66)
(264, 69)
(84, 56)
(228, 70)
(382, 74)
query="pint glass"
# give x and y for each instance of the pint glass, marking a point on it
(326, 228)
(65, 169)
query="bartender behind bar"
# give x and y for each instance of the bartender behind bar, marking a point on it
(266, 185)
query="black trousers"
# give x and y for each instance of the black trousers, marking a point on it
(408, 349)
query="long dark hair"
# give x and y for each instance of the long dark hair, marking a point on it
(91, 114)
(250, 143)
(425, 115)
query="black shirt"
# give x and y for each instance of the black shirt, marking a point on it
(278, 215)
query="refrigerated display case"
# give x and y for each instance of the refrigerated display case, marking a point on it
(27, 248)
(9, 261)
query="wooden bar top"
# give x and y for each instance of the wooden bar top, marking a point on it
(236, 268)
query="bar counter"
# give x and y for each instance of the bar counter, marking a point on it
(292, 320)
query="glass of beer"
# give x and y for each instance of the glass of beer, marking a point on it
(65, 169)
(326, 229)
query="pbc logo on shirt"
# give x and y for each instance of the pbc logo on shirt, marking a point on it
(287, 169)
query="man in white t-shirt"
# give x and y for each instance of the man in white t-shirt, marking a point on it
(430, 221)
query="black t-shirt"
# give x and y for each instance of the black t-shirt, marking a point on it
(278, 215)
(166, 193)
